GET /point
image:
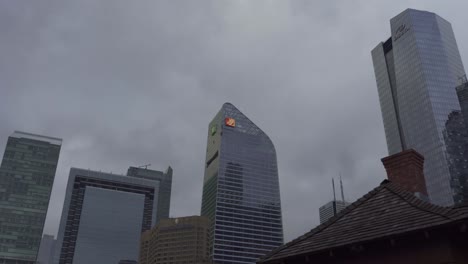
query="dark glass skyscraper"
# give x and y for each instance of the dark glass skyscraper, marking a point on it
(165, 186)
(103, 217)
(26, 177)
(417, 70)
(331, 209)
(241, 193)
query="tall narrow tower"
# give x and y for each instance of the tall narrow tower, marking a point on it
(26, 178)
(417, 70)
(241, 193)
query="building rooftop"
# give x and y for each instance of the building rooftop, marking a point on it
(51, 140)
(387, 211)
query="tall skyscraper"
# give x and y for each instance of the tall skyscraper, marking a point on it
(241, 194)
(165, 186)
(26, 177)
(417, 70)
(103, 217)
(332, 208)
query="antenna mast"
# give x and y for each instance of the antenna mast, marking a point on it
(333, 185)
(342, 192)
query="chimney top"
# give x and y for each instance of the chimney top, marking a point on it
(407, 170)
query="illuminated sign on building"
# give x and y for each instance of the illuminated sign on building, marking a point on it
(229, 121)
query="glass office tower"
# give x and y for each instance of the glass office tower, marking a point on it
(241, 193)
(417, 70)
(165, 186)
(26, 177)
(331, 209)
(103, 217)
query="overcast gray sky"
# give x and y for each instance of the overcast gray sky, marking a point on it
(136, 82)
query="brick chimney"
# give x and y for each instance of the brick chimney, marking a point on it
(407, 170)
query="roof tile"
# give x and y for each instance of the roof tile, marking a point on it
(387, 210)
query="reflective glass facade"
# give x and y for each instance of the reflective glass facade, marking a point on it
(331, 209)
(46, 250)
(26, 177)
(417, 70)
(241, 193)
(103, 217)
(165, 187)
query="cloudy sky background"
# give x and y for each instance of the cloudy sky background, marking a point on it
(127, 83)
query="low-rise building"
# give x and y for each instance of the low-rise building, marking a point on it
(176, 240)
(393, 223)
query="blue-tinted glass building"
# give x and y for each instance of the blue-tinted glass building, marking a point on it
(417, 70)
(26, 177)
(241, 194)
(103, 217)
(165, 187)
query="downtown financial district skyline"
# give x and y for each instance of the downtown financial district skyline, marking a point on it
(424, 103)
(104, 214)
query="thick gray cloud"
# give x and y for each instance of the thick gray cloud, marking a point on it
(135, 82)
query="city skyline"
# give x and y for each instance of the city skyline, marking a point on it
(283, 63)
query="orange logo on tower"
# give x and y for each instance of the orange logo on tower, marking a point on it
(229, 121)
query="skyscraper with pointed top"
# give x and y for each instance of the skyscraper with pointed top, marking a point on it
(241, 193)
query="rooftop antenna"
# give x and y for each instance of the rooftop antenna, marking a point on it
(333, 185)
(342, 192)
(144, 166)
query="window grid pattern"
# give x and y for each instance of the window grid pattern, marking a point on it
(26, 177)
(79, 180)
(422, 100)
(247, 220)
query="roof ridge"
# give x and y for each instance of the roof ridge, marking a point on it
(417, 203)
(330, 221)
(393, 192)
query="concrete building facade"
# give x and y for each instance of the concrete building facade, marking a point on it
(176, 240)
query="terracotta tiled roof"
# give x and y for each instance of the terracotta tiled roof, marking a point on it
(386, 211)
